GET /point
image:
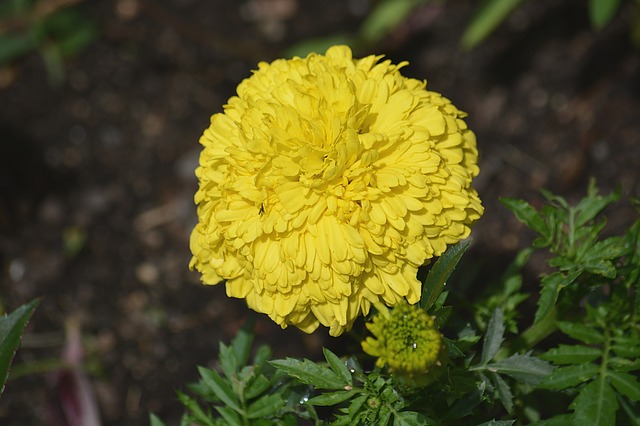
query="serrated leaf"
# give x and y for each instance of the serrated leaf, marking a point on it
(580, 332)
(338, 366)
(566, 377)
(626, 384)
(504, 392)
(525, 368)
(551, 285)
(495, 422)
(332, 398)
(440, 273)
(266, 406)
(602, 11)
(595, 405)
(11, 329)
(572, 354)
(589, 207)
(601, 267)
(219, 387)
(493, 337)
(309, 373)
(525, 211)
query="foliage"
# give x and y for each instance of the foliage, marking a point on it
(493, 12)
(55, 30)
(601, 371)
(11, 328)
(589, 304)
(387, 15)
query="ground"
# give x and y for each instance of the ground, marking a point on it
(97, 184)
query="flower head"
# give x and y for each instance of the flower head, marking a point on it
(325, 183)
(405, 341)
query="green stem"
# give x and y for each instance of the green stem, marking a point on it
(531, 336)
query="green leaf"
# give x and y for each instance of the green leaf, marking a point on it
(486, 20)
(525, 368)
(465, 405)
(155, 420)
(256, 387)
(384, 415)
(333, 398)
(495, 422)
(338, 366)
(241, 344)
(309, 373)
(626, 346)
(263, 353)
(580, 332)
(589, 207)
(411, 418)
(572, 354)
(626, 384)
(551, 287)
(11, 328)
(601, 267)
(231, 417)
(353, 410)
(623, 364)
(385, 17)
(525, 211)
(228, 360)
(220, 388)
(195, 409)
(596, 405)
(566, 377)
(504, 392)
(266, 406)
(493, 337)
(440, 273)
(602, 11)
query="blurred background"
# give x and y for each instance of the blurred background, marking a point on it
(102, 104)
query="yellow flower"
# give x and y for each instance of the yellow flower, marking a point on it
(406, 342)
(325, 183)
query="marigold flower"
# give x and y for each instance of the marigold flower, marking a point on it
(405, 341)
(325, 183)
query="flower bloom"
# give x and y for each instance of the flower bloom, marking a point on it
(406, 341)
(325, 183)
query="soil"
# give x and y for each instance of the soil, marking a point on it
(97, 184)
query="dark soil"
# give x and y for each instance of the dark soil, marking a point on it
(96, 176)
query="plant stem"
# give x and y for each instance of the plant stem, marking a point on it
(531, 336)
